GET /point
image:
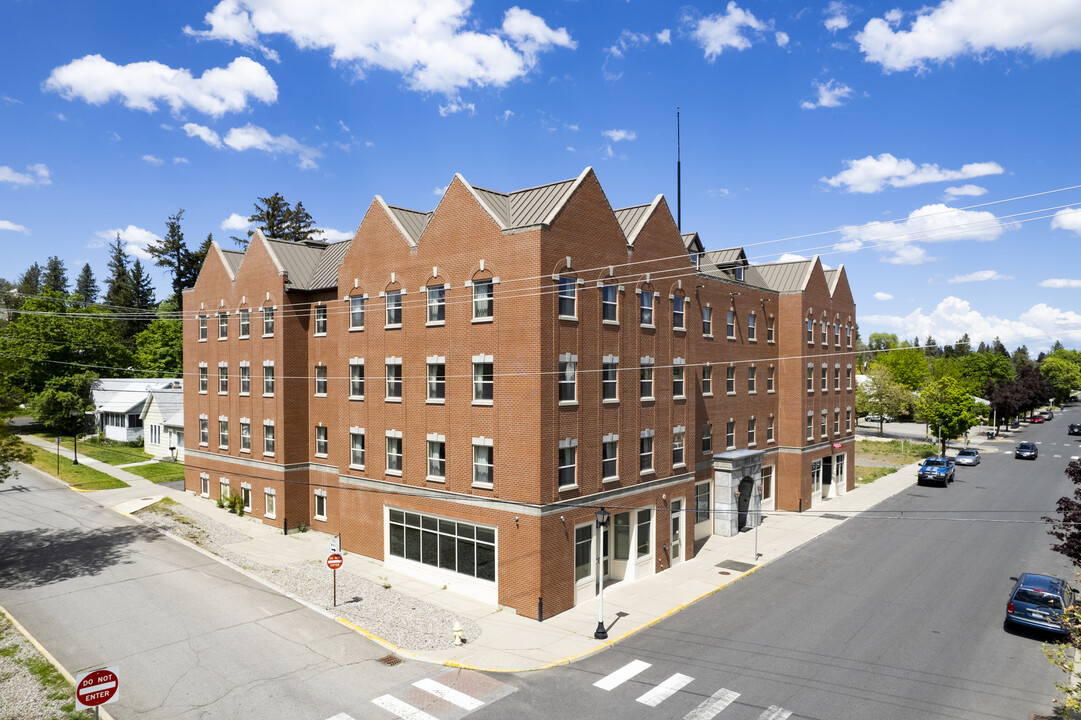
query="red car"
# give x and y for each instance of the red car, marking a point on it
(1036, 419)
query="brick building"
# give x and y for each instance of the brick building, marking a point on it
(457, 392)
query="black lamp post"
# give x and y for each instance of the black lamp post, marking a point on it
(75, 414)
(602, 522)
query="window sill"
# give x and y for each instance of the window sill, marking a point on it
(752, 340)
(643, 473)
(770, 392)
(356, 467)
(752, 392)
(394, 473)
(482, 320)
(270, 516)
(753, 444)
(396, 400)
(245, 337)
(770, 442)
(222, 339)
(356, 329)
(486, 403)
(268, 335)
(679, 465)
(247, 452)
(568, 403)
(610, 401)
(224, 447)
(569, 317)
(708, 394)
(319, 334)
(202, 339)
(203, 444)
(435, 323)
(564, 488)
(356, 397)
(435, 401)
(648, 399)
(223, 393)
(268, 395)
(245, 394)
(320, 394)
(708, 336)
(610, 479)
(647, 326)
(729, 337)
(320, 518)
(482, 486)
(730, 393)
(614, 323)
(436, 478)
(202, 392)
(322, 456)
(679, 329)
(679, 397)
(397, 326)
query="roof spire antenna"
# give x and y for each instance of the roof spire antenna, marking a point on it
(679, 200)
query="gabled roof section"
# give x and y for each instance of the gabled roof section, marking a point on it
(787, 276)
(633, 219)
(832, 276)
(326, 272)
(525, 208)
(693, 242)
(228, 260)
(727, 257)
(122, 395)
(170, 404)
(308, 266)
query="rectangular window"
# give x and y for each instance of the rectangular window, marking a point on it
(268, 321)
(567, 379)
(701, 502)
(568, 458)
(202, 379)
(610, 381)
(677, 381)
(483, 465)
(320, 506)
(678, 314)
(707, 379)
(836, 422)
(810, 331)
(836, 335)
(752, 373)
(769, 330)
(245, 436)
(268, 439)
(610, 303)
(810, 378)
(730, 434)
(848, 420)
(394, 381)
(825, 379)
(482, 299)
(645, 518)
(320, 319)
(769, 379)
(707, 322)
(245, 379)
(730, 380)
(437, 305)
(823, 423)
(321, 441)
(707, 439)
(767, 483)
(848, 334)
(356, 449)
(437, 459)
(204, 431)
(810, 427)
(320, 381)
(356, 380)
(645, 454)
(245, 498)
(268, 380)
(645, 380)
(568, 298)
(204, 482)
(455, 546)
(677, 448)
(484, 382)
(848, 377)
(750, 431)
(223, 434)
(271, 503)
(825, 337)
(609, 455)
(394, 455)
(223, 380)
(202, 328)
(437, 381)
(752, 331)
(394, 308)
(730, 325)
(769, 429)
(245, 322)
(645, 308)
(837, 379)
(356, 312)
(223, 326)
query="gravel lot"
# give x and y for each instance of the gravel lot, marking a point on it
(22, 694)
(401, 620)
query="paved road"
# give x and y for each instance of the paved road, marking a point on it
(879, 619)
(192, 638)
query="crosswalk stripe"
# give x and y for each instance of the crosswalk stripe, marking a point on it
(665, 690)
(712, 705)
(440, 690)
(775, 713)
(401, 709)
(622, 675)
(342, 716)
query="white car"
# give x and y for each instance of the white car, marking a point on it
(967, 456)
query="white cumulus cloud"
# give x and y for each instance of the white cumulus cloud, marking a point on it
(830, 94)
(235, 221)
(979, 276)
(1067, 219)
(1060, 283)
(965, 191)
(883, 296)
(872, 174)
(8, 225)
(930, 223)
(836, 16)
(618, 135)
(134, 238)
(142, 85)
(781, 38)
(204, 133)
(332, 235)
(153, 160)
(253, 137)
(37, 174)
(723, 30)
(976, 28)
(436, 45)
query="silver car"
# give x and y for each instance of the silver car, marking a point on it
(967, 456)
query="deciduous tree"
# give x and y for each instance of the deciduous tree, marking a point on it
(947, 409)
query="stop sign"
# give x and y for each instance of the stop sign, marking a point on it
(334, 561)
(96, 687)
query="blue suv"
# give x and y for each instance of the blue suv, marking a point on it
(1037, 601)
(935, 469)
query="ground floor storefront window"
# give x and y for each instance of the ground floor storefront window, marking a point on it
(449, 545)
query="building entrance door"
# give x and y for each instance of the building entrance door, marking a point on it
(677, 532)
(827, 476)
(585, 554)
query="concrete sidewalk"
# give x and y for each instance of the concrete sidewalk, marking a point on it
(507, 641)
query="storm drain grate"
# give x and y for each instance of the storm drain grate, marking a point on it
(390, 660)
(735, 565)
(833, 516)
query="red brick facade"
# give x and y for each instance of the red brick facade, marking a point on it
(529, 245)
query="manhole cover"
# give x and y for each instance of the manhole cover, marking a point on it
(390, 660)
(735, 565)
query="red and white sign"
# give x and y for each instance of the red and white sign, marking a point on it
(96, 687)
(838, 446)
(334, 561)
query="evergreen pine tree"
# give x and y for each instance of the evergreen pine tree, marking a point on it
(55, 277)
(30, 281)
(143, 290)
(301, 225)
(171, 252)
(86, 286)
(278, 220)
(120, 293)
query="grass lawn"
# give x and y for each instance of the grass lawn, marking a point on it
(865, 474)
(902, 449)
(80, 476)
(159, 472)
(112, 453)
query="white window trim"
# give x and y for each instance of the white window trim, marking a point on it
(357, 431)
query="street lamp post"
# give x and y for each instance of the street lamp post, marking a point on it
(602, 522)
(75, 436)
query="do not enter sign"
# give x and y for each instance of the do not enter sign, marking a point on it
(334, 561)
(96, 687)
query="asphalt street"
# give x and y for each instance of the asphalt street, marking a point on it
(895, 614)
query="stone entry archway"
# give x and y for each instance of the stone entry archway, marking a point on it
(737, 491)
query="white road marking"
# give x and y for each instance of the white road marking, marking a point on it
(451, 695)
(622, 675)
(665, 690)
(342, 716)
(775, 713)
(400, 709)
(1056, 455)
(713, 705)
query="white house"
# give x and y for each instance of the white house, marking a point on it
(163, 423)
(118, 404)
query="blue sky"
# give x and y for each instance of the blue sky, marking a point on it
(906, 141)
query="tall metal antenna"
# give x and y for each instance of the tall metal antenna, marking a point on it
(679, 179)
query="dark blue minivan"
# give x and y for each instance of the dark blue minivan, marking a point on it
(1037, 601)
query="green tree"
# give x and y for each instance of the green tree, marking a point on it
(882, 395)
(172, 253)
(62, 406)
(1064, 375)
(159, 350)
(908, 365)
(55, 277)
(12, 448)
(279, 220)
(120, 294)
(947, 409)
(86, 287)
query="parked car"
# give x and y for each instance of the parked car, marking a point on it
(1074, 429)
(1047, 414)
(967, 456)
(936, 469)
(874, 417)
(1037, 601)
(1036, 419)
(1026, 451)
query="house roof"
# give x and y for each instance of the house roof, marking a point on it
(308, 266)
(232, 260)
(525, 208)
(122, 395)
(786, 276)
(170, 404)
